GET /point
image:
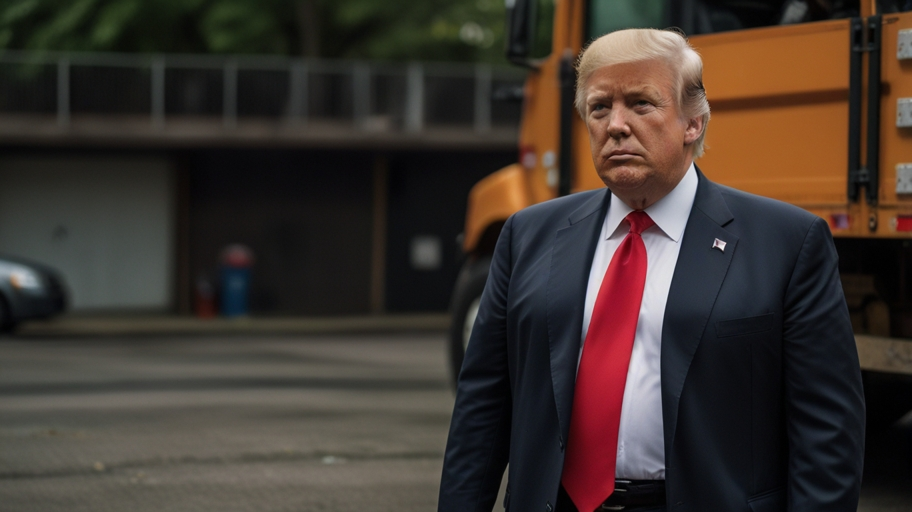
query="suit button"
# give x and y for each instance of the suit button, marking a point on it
(548, 507)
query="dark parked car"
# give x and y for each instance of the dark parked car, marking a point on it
(28, 290)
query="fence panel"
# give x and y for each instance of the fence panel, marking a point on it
(28, 87)
(263, 93)
(369, 96)
(110, 90)
(194, 91)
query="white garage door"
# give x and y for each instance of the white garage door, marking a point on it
(105, 223)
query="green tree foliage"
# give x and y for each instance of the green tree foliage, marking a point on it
(452, 30)
(461, 30)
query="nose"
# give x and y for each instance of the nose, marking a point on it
(617, 124)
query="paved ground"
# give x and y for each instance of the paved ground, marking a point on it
(248, 422)
(222, 424)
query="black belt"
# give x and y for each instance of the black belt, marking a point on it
(635, 493)
(627, 495)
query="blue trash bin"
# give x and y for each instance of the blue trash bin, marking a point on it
(235, 280)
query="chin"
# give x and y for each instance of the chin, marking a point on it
(623, 178)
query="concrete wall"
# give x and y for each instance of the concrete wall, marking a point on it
(106, 222)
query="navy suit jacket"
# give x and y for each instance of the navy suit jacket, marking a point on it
(761, 390)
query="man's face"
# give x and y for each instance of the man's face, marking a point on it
(641, 143)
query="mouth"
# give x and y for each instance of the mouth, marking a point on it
(621, 154)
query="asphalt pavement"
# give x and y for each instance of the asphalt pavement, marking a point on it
(222, 423)
(240, 421)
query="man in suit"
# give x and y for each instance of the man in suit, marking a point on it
(695, 334)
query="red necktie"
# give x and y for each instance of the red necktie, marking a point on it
(591, 458)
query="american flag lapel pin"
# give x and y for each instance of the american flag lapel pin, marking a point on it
(719, 244)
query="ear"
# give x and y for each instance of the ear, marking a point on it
(694, 130)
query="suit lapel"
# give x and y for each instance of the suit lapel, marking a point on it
(571, 258)
(698, 276)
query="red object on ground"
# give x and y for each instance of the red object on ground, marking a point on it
(204, 299)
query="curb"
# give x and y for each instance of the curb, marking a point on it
(175, 325)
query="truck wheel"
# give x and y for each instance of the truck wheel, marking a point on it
(464, 309)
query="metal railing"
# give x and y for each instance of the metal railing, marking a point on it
(371, 96)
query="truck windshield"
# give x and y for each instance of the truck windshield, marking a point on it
(709, 16)
(610, 15)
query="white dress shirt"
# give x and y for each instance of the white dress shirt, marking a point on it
(641, 438)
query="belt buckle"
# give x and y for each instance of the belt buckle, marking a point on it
(616, 489)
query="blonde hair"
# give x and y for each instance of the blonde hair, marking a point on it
(641, 44)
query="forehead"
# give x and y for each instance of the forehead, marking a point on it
(650, 76)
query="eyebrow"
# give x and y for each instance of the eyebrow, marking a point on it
(646, 90)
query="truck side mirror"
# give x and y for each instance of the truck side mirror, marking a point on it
(529, 24)
(519, 40)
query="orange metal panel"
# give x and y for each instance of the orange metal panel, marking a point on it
(776, 61)
(779, 100)
(493, 199)
(585, 177)
(540, 128)
(776, 151)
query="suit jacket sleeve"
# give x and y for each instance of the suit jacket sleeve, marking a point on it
(478, 444)
(824, 400)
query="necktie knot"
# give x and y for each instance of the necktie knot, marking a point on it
(639, 222)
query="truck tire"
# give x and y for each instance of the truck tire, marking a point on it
(464, 308)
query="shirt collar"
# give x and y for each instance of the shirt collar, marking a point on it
(670, 213)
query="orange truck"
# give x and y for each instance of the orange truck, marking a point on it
(811, 104)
